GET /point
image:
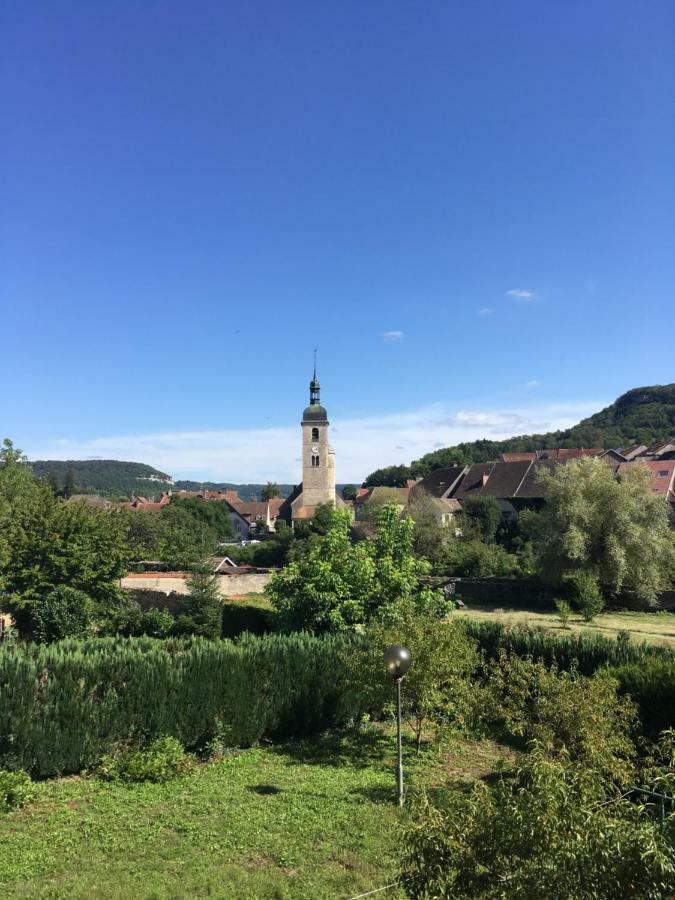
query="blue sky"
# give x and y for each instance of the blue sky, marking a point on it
(468, 207)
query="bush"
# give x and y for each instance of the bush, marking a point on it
(562, 712)
(64, 612)
(587, 594)
(131, 620)
(162, 761)
(64, 705)
(16, 790)
(556, 831)
(564, 612)
(651, 684)
(240, 617)
(437, 689)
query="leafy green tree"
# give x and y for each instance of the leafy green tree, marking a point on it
(557, 830)
(270, 491)
(391, 476)
(204, 607)
(379, 499)
(64, 612)
(437, 689)
(617, 530)
(481, 517)
(349, 492)
(45, 544)
(53, 483)
(431, 538)
(337, 585)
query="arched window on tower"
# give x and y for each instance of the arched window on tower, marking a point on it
(315, 434)
(315, 461)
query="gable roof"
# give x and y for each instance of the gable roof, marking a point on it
(662, 473)
(438, 483)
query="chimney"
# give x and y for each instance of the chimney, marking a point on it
(484, 479)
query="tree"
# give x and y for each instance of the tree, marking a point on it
(53, 483)
(69, 484)
(349, 492)
(45, 544)
(481, 516)
(335, 585)
(270, 490)
(379, 499)
(437, 687)
(391, 476)
(204, 607)
(64, 612)
(615, 529)
(431, 538)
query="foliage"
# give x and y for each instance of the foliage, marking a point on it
(391, 476)
(430, 537)
(556, 830)
(437, 687)
(564, 612)
(651, 684)
(16, 790)
(241, 616)
(614, 530)
(64, 705)
(379, 499)
(481, 517)
(270, 490)
(349, 491)
(46, 543)
(562, 712)
(203, 608)
(129, 619)
(106, 476)
(64, 612)
(587, 594)
(163, 760)
(336, 585)
(475, 559)
(587, 652)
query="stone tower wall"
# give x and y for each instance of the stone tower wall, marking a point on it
(318, 482)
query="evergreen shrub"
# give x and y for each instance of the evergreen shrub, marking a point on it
(65, 705)
(651, 684)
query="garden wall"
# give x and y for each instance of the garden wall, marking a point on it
(229, 585)
(532, 593)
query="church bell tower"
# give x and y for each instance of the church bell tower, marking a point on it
(318, 458)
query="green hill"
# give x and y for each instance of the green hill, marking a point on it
(640, 416)
(106, 476)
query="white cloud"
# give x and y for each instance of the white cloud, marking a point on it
(485, 311)
(532, 383)
(389, 336)
(361, 445)
(521, 294)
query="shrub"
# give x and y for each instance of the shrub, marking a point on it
(163, 760)
(203, 608)
(64, 705)
(556, 830)
(16, 790)
(131, 620)
(64, 612)
(587, 595)
(562, 712)
(437, 688)
(564, 612)
(651, 684)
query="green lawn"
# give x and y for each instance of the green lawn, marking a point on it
(305, 820)
(654, 627)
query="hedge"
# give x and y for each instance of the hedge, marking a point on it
(589, 653)
(64, 705)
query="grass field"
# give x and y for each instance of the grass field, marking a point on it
(304, 820)
(656, 627)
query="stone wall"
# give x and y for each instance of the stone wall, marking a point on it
(531, 593)
(174, 583)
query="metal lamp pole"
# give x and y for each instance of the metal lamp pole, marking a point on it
(397, 660)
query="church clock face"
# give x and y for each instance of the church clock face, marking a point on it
(315, 448)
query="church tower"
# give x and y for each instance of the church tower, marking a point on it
(318, 458)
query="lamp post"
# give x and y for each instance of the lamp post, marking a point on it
(397, 660)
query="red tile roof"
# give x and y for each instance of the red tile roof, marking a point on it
(662, 476)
